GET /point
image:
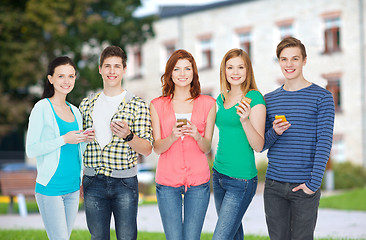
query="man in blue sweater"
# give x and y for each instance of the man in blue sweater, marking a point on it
(298, 147)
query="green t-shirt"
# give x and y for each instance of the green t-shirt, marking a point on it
(234, 156)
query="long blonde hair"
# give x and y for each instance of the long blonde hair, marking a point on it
(248, 84)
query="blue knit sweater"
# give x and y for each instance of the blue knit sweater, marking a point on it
(301, 153)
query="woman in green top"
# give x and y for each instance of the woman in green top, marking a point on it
(240, 119)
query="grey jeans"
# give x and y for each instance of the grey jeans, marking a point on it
(290, 215)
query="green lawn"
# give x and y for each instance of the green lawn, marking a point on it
(349, 200)
(84, 234)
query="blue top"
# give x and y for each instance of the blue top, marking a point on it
(44, 141)
(67, 176)
(301, 153)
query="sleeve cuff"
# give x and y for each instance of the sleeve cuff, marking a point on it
(312, 188)
(273, 135)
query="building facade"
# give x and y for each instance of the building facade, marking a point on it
(332, 31)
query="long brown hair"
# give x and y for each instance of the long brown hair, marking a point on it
(248, 84)
(167, 81)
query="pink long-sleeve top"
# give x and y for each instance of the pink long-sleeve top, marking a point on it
(183, 164)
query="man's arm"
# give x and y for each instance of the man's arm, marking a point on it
(140, 145)
(141, 129)
(270, 136)
(325, 124)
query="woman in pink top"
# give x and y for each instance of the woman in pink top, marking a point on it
(182, 166)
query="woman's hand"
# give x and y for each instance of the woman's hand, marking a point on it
(177, 131)
(243, 110)
(74, 137)
(279, 126)
(191, 130)
(90, 136)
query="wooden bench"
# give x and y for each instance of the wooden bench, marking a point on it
(20, 184)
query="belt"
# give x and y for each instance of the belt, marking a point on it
(131, 172)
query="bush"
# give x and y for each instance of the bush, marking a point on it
(348, 176)
(262, 168)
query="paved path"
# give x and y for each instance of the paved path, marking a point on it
(331, 223)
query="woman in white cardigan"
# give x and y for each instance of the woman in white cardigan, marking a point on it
(55, 139)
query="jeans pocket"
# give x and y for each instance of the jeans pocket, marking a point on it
(303, 193)
(87, 180)
(269, 182)
(130, 182)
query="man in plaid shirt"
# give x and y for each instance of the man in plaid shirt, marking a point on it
(122, 126)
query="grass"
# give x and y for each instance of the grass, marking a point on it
(84, 234)
(33, 208)
(350, 200)
(75, 235)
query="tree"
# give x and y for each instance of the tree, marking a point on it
(33, 32)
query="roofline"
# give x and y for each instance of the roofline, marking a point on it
(180, 10)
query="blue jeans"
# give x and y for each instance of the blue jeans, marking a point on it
(195, 203)
(106, 195)
(232, 198)
(289, 215)
(58, 214)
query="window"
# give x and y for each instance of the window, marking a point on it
(286, 31)
(285, 28)
(334, 86)
(206, 53)
(137, 63)
(245, 42)
(332, 41)
(338, 152)
(169, 49)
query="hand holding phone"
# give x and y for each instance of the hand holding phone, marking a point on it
(281, 117)
(88, 130)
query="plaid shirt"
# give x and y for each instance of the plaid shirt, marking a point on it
(116, 155)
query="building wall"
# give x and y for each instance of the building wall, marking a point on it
(263, 17)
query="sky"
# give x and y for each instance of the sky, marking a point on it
(152, 6)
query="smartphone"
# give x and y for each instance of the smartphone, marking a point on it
(181, 122)
(116, 120)
(281, 117)
(88, 130)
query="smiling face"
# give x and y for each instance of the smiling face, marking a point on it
(236, 72)
(63, 79)
(182, 74)
(112, 72)
(292, 63)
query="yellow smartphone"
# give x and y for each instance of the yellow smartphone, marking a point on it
(281, 117)
(248, 100)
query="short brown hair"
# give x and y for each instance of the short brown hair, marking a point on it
(248, 84)
(167, 81)
(113, 51)
(290, 42)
